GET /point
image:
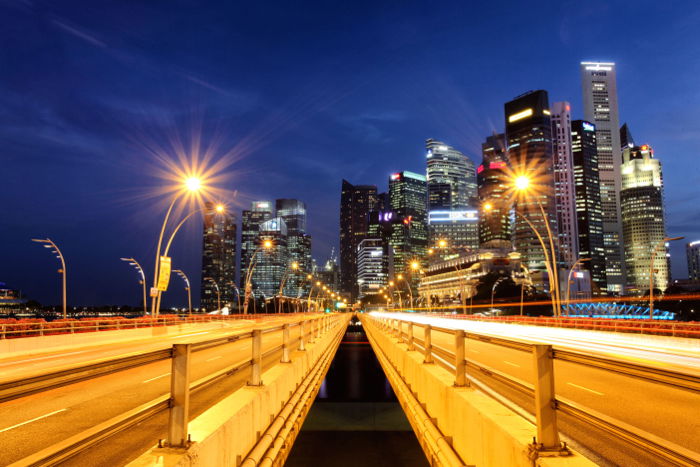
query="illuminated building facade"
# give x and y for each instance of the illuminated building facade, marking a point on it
(409, 236)
(259, 212)
(293, 212)
(643, 219)
(372, 266)
(529, 138)
(270, 263)
(600, 108)
(589, 212)
(452, 195)
(564, 190)
(494, 203)
(356, 202)
(218, 258)
(692, 251)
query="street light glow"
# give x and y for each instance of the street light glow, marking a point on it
(267, 244)
(415, 265)
(220, 208)
(488, 207)
(522, 182)
(193, 183)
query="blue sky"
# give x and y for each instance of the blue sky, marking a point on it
(297, 95)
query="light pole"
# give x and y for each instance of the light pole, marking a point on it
(568, 282)
(137, 266)
(247, 286)
(292, 266)
(191, 184)
(410, 293)
(493, 289)
(238, 295)
(183, 276)
(48, 243)
(522, 287)
(311, 291)
(651, 272)
(218, 292)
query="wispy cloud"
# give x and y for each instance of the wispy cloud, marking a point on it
(79, 33)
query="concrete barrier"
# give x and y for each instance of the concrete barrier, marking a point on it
(483, 432)
(225, 433)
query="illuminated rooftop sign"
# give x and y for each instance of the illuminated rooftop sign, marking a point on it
(588, 126)
(519, 116)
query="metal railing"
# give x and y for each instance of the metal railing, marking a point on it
(546, 402)
(311, 327)
(36, 328)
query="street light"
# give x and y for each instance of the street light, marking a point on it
(292, 266)
(137, 266)
(183, 276)
(568, 282)
(191, 184)
(651, 272)
(410, 293)
(218, 292)
(48, 243)
(247, 286)
(238, 295)
(493, 289)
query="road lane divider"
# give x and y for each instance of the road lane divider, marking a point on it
(156, 377)
(585, 388)
(32, 420)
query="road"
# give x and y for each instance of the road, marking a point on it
(32, 423)
(668, 412)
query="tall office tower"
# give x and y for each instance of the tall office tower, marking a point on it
(329, 273)
(293, 212)
(270, 263)
(372, 266)
(494, 202)
(529, 137)
(356, 202)
(643, 218)
(452, 195)
(692, 251)
(589, 212)
(383, 203)
(260, 211)
(408, 193)
(218, 258)
(626, 139)
(564, 190)
(600, 108)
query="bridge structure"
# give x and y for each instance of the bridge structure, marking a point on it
(234, 392)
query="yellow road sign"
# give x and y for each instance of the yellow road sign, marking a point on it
(164, 273)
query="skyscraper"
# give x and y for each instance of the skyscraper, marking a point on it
(293, 212)
(564, 190)
(589, 212)
(494, 209)
(600, 108)
(452, 195)
(218, 258)
(529, 137)
(692, 251)
(356, 202)
(270, 264)
(643, 223)
(408, 194)
(259, 212)
(372, 266)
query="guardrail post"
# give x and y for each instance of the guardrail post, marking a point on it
(41, 329)
(256, 373)
(285, 343)
(460, 359)
(428, 344)
(399, 330)
(179, 396)
(545, 410)
(301, 335)
(409, 338)
(318, 328)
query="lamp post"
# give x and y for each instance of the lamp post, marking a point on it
(292, 266)
(183, 276)
(238, 295)
(651, 272)
(218, 292)
(311, 291)
(247, 286)
(137, 266)
(493, 289)
(48, 243)
(568, 282)
(410, 293)
(522, 287)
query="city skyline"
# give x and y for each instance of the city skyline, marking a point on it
(101, 186)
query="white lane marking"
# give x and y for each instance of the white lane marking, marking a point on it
(511, 363)
(32, 420)
(193, 334)
(585, 389)
(153, 379)
(215, 358)
(475, 351)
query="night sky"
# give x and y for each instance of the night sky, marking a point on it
(290, 98)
